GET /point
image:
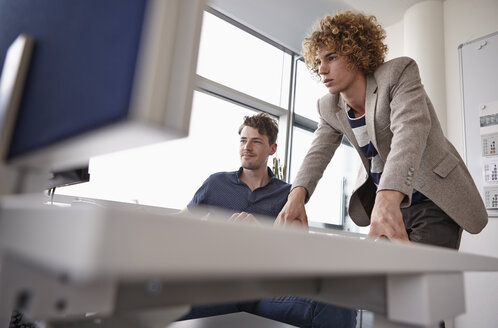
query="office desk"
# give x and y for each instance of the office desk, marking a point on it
(133, 268)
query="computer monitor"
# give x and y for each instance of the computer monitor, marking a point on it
(104, 75)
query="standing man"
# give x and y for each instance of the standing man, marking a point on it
(413, 184)
(252, 192)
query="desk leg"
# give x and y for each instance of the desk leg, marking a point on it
(425, 299)
(399, 300)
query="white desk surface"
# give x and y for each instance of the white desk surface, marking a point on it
(97, 244)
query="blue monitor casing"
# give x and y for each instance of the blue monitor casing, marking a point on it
(104, 75)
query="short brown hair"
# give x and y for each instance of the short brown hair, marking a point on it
(355, 35)
(265, 124)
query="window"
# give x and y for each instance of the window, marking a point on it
(329, 201)
(235, 58)
(168, 174)
(308, 91)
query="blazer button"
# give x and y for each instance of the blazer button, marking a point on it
(411, 169)
(407, 183)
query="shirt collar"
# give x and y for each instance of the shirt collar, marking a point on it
(239, 172)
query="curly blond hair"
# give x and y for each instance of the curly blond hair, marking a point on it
(355, 35)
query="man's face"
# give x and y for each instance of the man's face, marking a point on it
(254, 149)
(333, 71)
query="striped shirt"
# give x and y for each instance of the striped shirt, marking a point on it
(368, 149)
(359, 128)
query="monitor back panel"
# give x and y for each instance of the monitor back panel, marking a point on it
(82, 68)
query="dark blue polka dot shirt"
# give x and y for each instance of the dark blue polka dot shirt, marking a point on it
(225, 190)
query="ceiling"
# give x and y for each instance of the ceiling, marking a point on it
(288, 21)
(387, 12)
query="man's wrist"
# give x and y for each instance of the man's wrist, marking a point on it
(298, 194)
(391, 196)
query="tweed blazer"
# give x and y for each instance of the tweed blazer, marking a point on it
(403, 127)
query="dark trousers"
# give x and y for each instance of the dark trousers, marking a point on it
(426, 223)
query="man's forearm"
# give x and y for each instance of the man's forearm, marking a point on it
(298, 194)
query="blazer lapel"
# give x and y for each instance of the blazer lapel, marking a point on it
(370, 107)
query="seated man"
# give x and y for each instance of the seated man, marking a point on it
(251, 191)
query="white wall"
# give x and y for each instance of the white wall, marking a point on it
(394, 40)
(464, 21)
(424, 35)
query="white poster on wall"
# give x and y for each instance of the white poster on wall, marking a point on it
(488, 115)
(491, 197)
(489, 144)
(491, 171)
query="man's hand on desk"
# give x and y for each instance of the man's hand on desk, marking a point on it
(386, 220)
(293, 213)
(243, 217)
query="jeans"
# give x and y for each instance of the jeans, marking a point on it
(296, 311)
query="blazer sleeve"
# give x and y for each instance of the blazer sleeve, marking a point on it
(325, 142)
(410, 127)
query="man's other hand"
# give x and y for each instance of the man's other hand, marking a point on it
(386, 220)
(243, 217)
(293, 213)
